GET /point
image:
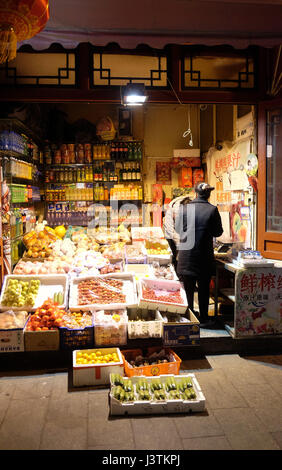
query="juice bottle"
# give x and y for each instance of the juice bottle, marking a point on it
(106, 193)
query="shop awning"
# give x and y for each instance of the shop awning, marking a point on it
(157, 23)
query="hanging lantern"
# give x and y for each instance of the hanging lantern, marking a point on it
(20, 20)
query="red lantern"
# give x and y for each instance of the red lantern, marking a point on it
(20, 20)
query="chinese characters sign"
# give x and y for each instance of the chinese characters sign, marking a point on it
(258, 309)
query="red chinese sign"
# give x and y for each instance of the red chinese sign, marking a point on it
(231, 161)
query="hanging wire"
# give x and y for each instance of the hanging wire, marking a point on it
(188, 131)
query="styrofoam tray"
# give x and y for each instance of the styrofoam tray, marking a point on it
(49, 285)
(141, 233)
(159, 407)
(129, 290)
(170, 267)
(159, 305)
(138, 270)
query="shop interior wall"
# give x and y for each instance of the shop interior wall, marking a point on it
(160, 126)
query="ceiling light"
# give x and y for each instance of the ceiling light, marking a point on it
(133, 94)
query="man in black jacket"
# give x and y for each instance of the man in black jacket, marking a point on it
(197, 224)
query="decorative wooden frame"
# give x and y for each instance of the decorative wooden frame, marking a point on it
(269, 243)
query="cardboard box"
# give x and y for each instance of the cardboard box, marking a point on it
(76, 338)
(171, 367)
(186, 153)
(96, 374)
(110, 333)
(11, 340)
(12, 331)
(167, 406)
(185, 177)
(181, 334)
(48, 340)
(144, 328)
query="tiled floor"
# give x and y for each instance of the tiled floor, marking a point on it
(243, 412)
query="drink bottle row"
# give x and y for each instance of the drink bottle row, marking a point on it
(66, 154)
(130, 171)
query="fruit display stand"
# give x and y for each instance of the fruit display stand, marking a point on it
(49, 285)
(91, 373)
(170, 366)
(159, 294)
(144, 324)
(128, 290)
(165, 395)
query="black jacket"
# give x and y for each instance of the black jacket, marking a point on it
(198, 224)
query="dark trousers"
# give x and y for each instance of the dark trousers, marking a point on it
(203, 283)
(174, 251)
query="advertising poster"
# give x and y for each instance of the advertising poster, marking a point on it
(163, 173)
(157, 202)
(258, 308)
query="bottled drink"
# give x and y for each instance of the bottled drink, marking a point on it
(135, 152)
(139, 152)
(125, 152)
(121, 153)
(129, 172)
(129, 153)
(133, 172)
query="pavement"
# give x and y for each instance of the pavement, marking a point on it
(42, 411)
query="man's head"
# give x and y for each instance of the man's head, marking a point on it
(203, 190)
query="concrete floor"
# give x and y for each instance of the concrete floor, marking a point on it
(243, 411)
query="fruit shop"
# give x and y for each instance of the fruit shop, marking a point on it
(85, 266)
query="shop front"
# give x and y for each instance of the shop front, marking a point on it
(101, 175)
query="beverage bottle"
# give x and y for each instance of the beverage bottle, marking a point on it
(129, 171)
(121, 155)
(106, 193)
(139, 152)
(133, 172)
(135, 152)
(129, 153)
(125, 151)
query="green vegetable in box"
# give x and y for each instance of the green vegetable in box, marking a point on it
(189, 394)
(156, 384)
(127, 385)
(117, 379)
(174, 395)
(144, 395)
(170, 384)
(142, 385)
(159, 395)
(184, 383)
